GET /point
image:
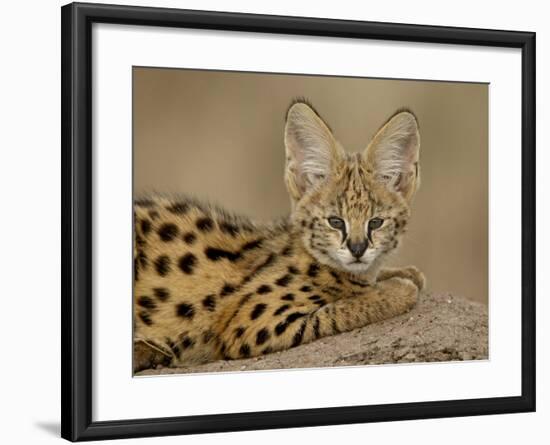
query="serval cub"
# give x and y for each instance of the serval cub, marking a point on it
(210, 285)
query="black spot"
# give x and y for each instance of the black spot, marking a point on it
(335, 329)
(175, 348)
(205, 224)
(252, 245)
(267, 350)
(281, 327)
(305, 288)
(283, 308)
(313, 270)
(141, 261)
(185, 310)
(207, 336)
(299, 335)
(230, 229)
(288, 297)
(244, 350)
(145, 226)
(153, 214)
(332, 290)
(139, 240)
(142, 258)
(146, 302)
(284, 280)
(167, 232)
(315, 298)
(287, 251)
(258, 310)
(214, 254)
(295, 316)
(293, 270)
(162, 265)
(239, 332)
(161, 293)
(316, 330)
(227, 289)
(144, 202)
(267, 262)
(146, 318)
(264, 289)
(241, 302)
(245, 299)
(189, 237)
(187, 343)
(320, 302)
(336, 277)
(178, 208)
(187, 263)
(209, 303)
(358, 283)
(262, 336)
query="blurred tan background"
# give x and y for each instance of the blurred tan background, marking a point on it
(219, 136)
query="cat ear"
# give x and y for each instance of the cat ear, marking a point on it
(393, 154)
(311, 150)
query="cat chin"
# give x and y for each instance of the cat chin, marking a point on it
(356, 268)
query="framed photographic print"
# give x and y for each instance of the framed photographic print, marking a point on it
(278, 222)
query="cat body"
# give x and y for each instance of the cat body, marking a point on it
(209, 285)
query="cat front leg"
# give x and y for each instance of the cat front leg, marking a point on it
(387, 299)
(299, 324)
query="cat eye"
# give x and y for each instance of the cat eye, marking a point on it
(336, 223)
(375, 223)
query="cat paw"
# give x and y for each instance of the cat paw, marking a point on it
(411, 273)
(414, 274)
(402, 293)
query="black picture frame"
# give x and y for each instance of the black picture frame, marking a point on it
(76, 130)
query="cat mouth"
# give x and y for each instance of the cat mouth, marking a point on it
(346, 262)
(356, 265)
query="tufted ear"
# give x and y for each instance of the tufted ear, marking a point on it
(311, 150)
(393, 154)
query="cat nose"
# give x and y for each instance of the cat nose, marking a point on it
(357, 249)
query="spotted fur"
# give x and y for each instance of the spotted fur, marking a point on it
(210, 285)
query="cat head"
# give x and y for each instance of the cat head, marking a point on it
(351, 208)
